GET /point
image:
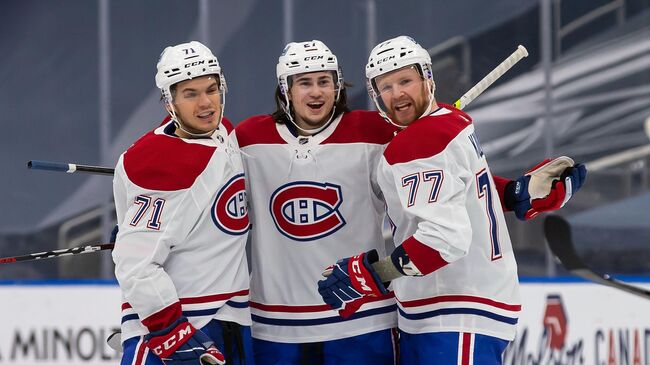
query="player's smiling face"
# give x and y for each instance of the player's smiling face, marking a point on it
(404, 93)
(312, 96)
(198, 105)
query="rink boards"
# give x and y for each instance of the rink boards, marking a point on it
(68, 322)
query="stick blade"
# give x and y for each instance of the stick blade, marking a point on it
(558, 235)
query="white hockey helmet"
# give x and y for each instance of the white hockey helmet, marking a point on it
(394, 54)
(303, 57)
(183, 62)
(186, 61)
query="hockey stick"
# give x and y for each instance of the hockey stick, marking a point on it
(57, 253)
(461, 103)
(68, 167)
(490, 78)
(558, 235)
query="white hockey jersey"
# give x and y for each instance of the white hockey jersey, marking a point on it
(183, 225)
(441, 196)
(313, 201)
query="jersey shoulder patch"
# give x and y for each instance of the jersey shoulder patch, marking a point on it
(164, 163)
(361, 126)
(259, 129)
(427, 136)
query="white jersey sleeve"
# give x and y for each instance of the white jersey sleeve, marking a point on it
(432, 191)
(151, 225)
(183, 223)
(448, 222)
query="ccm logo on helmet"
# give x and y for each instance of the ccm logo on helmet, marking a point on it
(306, 210)
(314, 58)
(386, 59)
(195, 63)
(230, 210)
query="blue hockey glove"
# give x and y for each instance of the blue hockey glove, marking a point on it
(182, 344)
(349, 281)
(544, 188)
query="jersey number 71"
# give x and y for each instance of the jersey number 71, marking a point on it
(144, 203)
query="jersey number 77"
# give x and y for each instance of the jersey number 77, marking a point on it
(484, 191)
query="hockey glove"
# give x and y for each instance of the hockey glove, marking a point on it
(349, 281)
(546, 187)
(182, 344)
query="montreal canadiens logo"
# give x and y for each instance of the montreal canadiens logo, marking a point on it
(305, 210)
(229, 211)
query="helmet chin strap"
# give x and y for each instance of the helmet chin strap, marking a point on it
(428, 110)
(177, 122)
(311, 132)
(316, 130)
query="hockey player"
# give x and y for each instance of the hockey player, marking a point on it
(313, 199)
(181, 208)
(453, 271)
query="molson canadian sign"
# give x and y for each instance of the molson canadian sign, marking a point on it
(580, 323)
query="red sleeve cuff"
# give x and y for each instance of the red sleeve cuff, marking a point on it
(163, 318)
(501, 183)
(424, 257)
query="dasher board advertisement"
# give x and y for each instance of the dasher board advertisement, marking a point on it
(576, 322)
(563, 321)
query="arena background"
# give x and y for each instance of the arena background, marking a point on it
(78, 86)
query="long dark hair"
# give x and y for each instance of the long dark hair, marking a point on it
(281, 117)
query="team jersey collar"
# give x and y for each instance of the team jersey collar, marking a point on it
(288, 135)
(217, 138)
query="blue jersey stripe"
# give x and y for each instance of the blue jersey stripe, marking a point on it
(448, 311)
(129, 317)
(195, 313)
(237, 304)
(319, 321)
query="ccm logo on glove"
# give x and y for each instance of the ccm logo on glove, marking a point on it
(356, 269)
(172, 342)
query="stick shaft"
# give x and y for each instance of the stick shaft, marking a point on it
(68, 167)
(57, 253)
(490, 78)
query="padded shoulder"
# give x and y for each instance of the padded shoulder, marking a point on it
(259, 129)
(227, 124)
(427, 136)
(165, 163)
